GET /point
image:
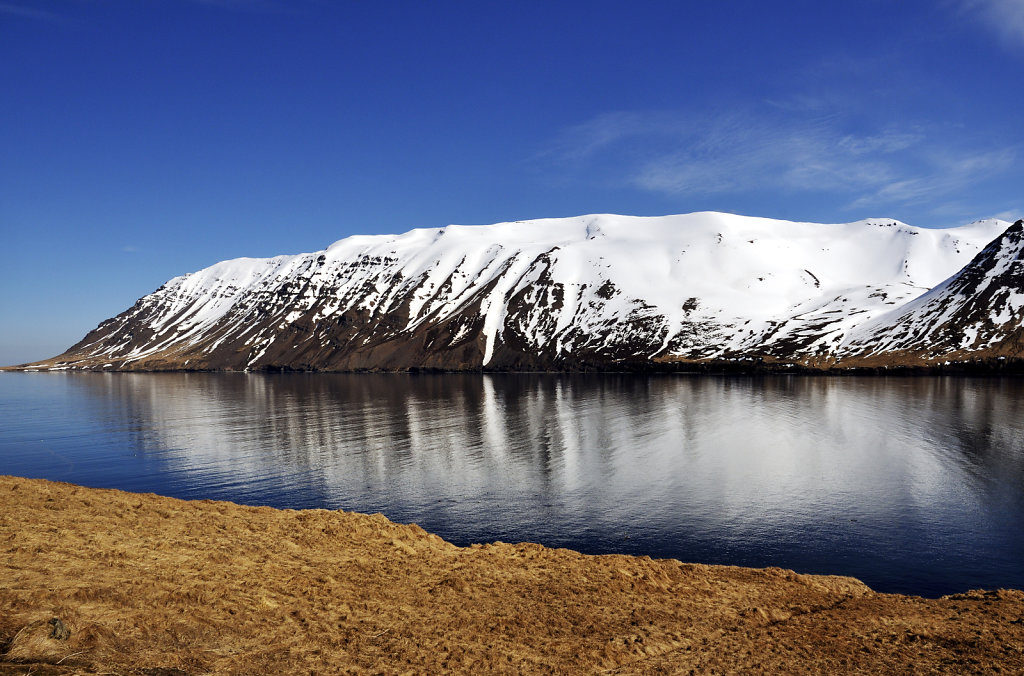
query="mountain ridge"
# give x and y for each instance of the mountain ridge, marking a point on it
(599, 291)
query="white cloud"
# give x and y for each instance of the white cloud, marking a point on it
(948, 173)
(583, 141)
(733, 154)
(1005, 17)
(27, 12)
(256, 6)
(1012, 215)
(886, 142)
(801, 103)
(738, 152)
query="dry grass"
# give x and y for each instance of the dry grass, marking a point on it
(152, 585)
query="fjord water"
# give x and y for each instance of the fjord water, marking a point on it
(914, 485)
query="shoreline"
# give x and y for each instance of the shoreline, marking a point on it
(980, 368)
(149, 584)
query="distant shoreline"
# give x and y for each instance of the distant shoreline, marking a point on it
(988, 367)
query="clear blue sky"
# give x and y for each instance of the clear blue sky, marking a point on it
(142, 139)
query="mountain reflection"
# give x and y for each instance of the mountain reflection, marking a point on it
(890, 479)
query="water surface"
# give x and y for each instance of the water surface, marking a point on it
(913, 485)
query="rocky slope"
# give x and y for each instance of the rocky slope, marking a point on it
(587, 292)
(143, 584)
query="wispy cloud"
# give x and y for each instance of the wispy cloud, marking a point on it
(735, 154)
(803, 103)
(589, 138)
(1010, 215)
(1004, 17)
(948, 173)
(12, 9)
(742, 152)
(255, 6)
(887, 142)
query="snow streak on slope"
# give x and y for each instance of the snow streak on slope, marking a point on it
(567, 292)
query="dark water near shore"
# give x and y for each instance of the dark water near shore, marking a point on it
(914, 485)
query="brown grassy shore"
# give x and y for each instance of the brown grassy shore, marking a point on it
(152, 585)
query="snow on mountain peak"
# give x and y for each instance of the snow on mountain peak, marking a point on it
(545, 292)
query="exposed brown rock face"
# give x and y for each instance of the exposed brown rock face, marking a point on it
(414, 302)
(149, 585)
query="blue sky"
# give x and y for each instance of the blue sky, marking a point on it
(146, 139)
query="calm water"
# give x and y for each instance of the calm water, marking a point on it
(911, 484)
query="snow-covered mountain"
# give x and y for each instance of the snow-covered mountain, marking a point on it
(978, 311)
(596, 291)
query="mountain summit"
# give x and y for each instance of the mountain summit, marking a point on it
(589, 292)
